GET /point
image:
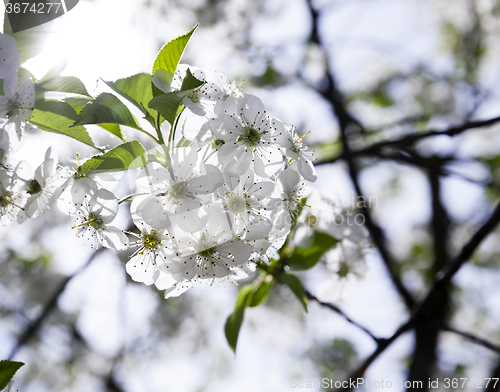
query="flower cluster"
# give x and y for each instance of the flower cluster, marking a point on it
(205, 210)
(224, 200)
(24, 193)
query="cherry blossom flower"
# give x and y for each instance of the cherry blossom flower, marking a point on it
(152, 250)
(46, 185)
(18, 103)
(297, 150)
(246, 200)
(210, 253)
(250, 136)
(93, 215)
(176, 190)
(13, 196)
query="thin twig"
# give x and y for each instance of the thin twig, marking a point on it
(405, 141)
(341, 313)
(476, 339)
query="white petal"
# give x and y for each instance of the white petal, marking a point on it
(189, 221)
(306, 168)
(258, 228)
(261, 190)
(178, 289)
(235, 158)
(162, 79)
(288, 179)
(114, 238)
(141, 268)
(254, 112)
(151, 209)
(9, 56)
(104, 204)
(195, 128)
(208, 182)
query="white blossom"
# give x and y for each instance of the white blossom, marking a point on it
(13, 196)
(94, 214)
(18, 103)
(207, 254)
(152, 250)
(251, 137)
(176, 190)
(296, 148)
(46, 185)
(246, 200)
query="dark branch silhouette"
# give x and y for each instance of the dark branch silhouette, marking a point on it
(434, 307)
(409, 140)
(341, 313)
(444, 277)
(349, 124)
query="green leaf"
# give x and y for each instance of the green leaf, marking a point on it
(58, 117)
(233, 322)
(77, 103)
(126, 156)
(261, 292)
(63, 84)
(168, 104)
(55, 106)
(137, 90)
(306, 257)
(115, 129)
(7, 371)
(295, 285)
(106, 109)
(169, 56)
(190, 82)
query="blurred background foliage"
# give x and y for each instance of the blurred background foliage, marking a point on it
(403, 67)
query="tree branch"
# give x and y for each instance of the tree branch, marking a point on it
(408, 140)
(475, 339)
(443, 278)
(347, 125)
(341, 313)
(426, 337)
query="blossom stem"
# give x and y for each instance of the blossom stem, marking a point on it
(127, 198)
(171, 135)
(158, 130)
(147, 133)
